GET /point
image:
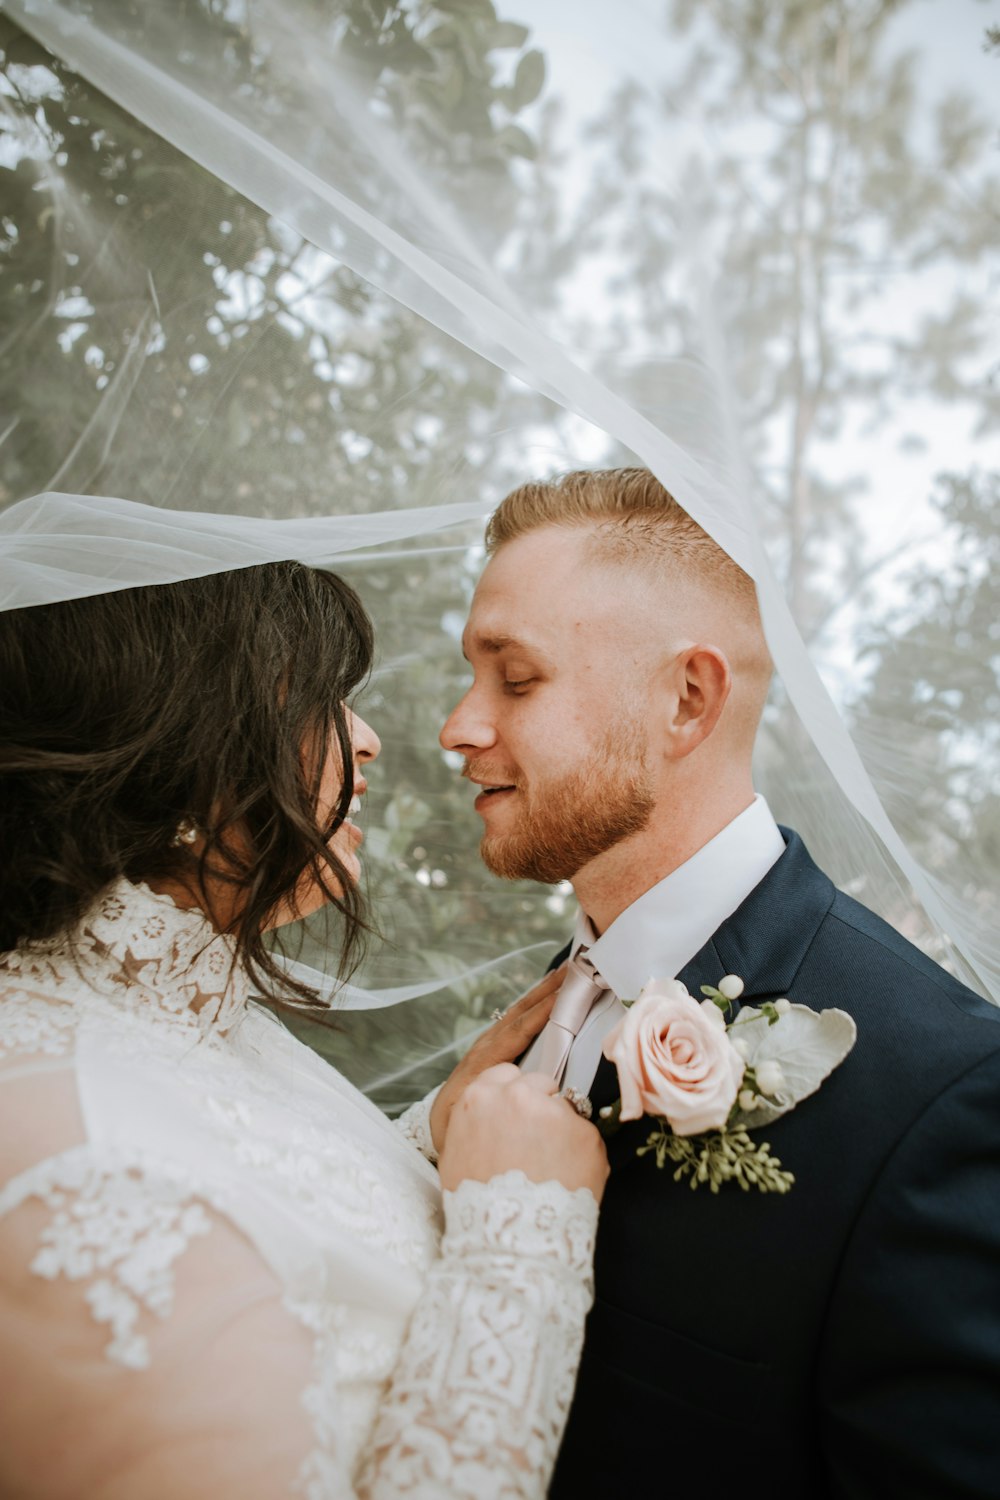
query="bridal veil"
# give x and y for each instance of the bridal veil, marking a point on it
(324, 280)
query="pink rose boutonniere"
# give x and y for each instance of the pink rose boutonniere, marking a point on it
(675, 1059)
(707, 1082)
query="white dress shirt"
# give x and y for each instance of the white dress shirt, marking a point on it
(663, 930)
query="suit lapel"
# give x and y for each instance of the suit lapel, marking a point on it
(769, 934)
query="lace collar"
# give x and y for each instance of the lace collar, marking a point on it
(147, 954)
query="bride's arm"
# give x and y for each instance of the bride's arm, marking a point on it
(147, 1348)
(215, 1390)
(480, 1395)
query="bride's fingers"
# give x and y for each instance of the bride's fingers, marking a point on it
(539, 1082)
(544, 991)
(499, 1074)
(499, 1045)
(515, 1031)
(523, 1020)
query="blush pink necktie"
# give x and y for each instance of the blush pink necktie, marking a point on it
(577, 994)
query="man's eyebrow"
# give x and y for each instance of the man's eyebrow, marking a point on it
(492, 645)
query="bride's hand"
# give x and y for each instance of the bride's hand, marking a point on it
(508, 1120)
(504, 1042)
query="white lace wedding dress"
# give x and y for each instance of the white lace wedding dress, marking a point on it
(223, 1273)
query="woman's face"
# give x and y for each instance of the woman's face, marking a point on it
(346, 841)
(365, 745)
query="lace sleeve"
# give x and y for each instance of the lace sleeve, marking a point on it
(136, 1314)
(139, 1319)
(481, 1392)
(415, 1124)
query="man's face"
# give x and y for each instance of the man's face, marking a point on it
(555, 728)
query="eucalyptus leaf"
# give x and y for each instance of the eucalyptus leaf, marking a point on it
(507, 34)
(808, 1044)
(474, 9)
(517, 142)
(529, 80)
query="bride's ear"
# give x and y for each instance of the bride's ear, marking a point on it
(700, 683)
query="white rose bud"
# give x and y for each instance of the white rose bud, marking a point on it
(747, 1100)
(769, 1077)
(731, 987)
(739, 1045)
(782, 1007)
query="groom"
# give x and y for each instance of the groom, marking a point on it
(842, 1340)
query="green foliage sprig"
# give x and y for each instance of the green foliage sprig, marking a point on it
(726, 1156)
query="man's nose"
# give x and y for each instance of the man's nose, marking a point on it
(467, 728)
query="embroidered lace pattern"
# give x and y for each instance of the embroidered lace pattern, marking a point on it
(494, 1343)
(119, 1230)
(143, 951)
(441, 1364)
(415, 1124)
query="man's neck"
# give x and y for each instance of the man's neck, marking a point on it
(609, 884)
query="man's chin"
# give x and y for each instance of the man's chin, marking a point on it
(513, 859)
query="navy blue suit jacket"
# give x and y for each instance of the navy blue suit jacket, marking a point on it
(842, 1340)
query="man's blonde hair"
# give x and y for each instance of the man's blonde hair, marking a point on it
(637, 522)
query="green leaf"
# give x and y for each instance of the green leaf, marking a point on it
(507, 34)
(444, 35)
(717, 998)
(449, 91)
(808, 1045)
(529, 80)
(467, 9)
(516, 142)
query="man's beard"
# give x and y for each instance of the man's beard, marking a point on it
(567, 823)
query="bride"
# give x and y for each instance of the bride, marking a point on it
(223, 1273)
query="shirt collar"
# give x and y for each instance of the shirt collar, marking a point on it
(663, 930)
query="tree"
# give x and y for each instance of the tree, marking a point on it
(819, 204)
(170, 343)
(933, 700)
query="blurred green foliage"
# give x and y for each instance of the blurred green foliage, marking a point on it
(166, 340)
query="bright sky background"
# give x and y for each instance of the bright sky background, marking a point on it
(899, 462)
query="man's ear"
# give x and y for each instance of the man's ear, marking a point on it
(701, 683)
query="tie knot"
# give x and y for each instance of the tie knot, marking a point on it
(577, 993)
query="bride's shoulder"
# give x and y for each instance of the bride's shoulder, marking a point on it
(38, 1022)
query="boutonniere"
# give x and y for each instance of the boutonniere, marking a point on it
(708, 1081)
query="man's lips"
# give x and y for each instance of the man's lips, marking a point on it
(492, 793)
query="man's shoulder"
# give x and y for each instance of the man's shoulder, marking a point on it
(835, 951)
(859, 930)
(877, 972)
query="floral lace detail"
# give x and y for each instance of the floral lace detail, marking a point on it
(415, 1124)
(484, 1382)
(461, 1389)
(30, 1023)
(116, 1228)
(335, 1190)
(512, 1216)
(143, 951)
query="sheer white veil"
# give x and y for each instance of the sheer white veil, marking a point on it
(323, 281)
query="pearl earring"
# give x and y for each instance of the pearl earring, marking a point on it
(187, 833)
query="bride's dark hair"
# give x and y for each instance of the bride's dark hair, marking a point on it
(216, 701)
